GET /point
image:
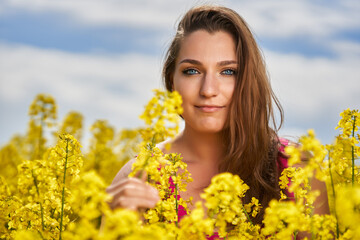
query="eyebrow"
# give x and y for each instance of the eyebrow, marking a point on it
(196, 62)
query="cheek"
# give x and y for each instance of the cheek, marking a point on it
(185, 88)
(184, 92)
(229, 91)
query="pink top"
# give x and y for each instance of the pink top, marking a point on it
(282, 163)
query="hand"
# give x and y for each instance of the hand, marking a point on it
(132, 193)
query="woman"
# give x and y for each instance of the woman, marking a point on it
(216, 66)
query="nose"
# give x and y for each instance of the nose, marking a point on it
(209, 86)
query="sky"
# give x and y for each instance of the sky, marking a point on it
(103, 58)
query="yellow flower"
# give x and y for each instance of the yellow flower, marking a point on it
(45, 189)
(223, 200)
(348, 206)
(196, 226)
(253, 207)
(73, 124)
(283, 219)
(323, 226)
(42, 112)
(102, 146)
(120, 223)
(162, 110)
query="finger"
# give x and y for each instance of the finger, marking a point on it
(133, 203)
(133, 188)
(137, 190)
(122, 182)
(142, 175)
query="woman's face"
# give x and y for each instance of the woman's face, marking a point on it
(205, 75)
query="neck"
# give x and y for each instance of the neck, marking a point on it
(202, 147)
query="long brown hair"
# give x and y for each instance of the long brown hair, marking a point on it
(250, 142)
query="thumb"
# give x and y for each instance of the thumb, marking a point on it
(142, 175)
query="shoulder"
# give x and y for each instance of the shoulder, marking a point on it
(124, 171)
(282, 144)
(166, 146)
(283, 156)
(173, 145)
(162, 145)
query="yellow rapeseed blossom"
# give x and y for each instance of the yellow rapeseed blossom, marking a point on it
(10, 158)
(102, 147)
(161, 115)
(119, 224)
(163, 171)
(195, 226)
(73, 124)
(283, 219)
(348, 200)
(253, 207)
(323, 227)
(223, 200)
(128, 142)
(43, 108)
(43, 113)
(45, 193)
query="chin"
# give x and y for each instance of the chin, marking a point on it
(205, 125)
(210, 131)
(210, 128)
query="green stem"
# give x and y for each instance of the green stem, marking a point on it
(42, 123)
(246, 214)
(353, 154)
(333, 192)
(63, 189)
(42, 237)
(37, 153)
(295, 234)
(96, 161)
(38, 193)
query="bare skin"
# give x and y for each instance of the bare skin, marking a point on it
(131, 193)
(135, 194)
(201, 164)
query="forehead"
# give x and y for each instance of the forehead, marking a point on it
(204, 46)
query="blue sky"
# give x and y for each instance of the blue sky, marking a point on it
(102, 58)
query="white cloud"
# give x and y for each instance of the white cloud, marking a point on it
(116, 87)
(99, 86)
(345, 48)
(313, 91)
(268, 18)
(298, 18)
(24, 66)
(310, 86)
(139, 13)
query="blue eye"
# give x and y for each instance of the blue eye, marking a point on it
(190, 71)
(228, 72)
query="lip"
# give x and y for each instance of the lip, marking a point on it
(209, 108)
